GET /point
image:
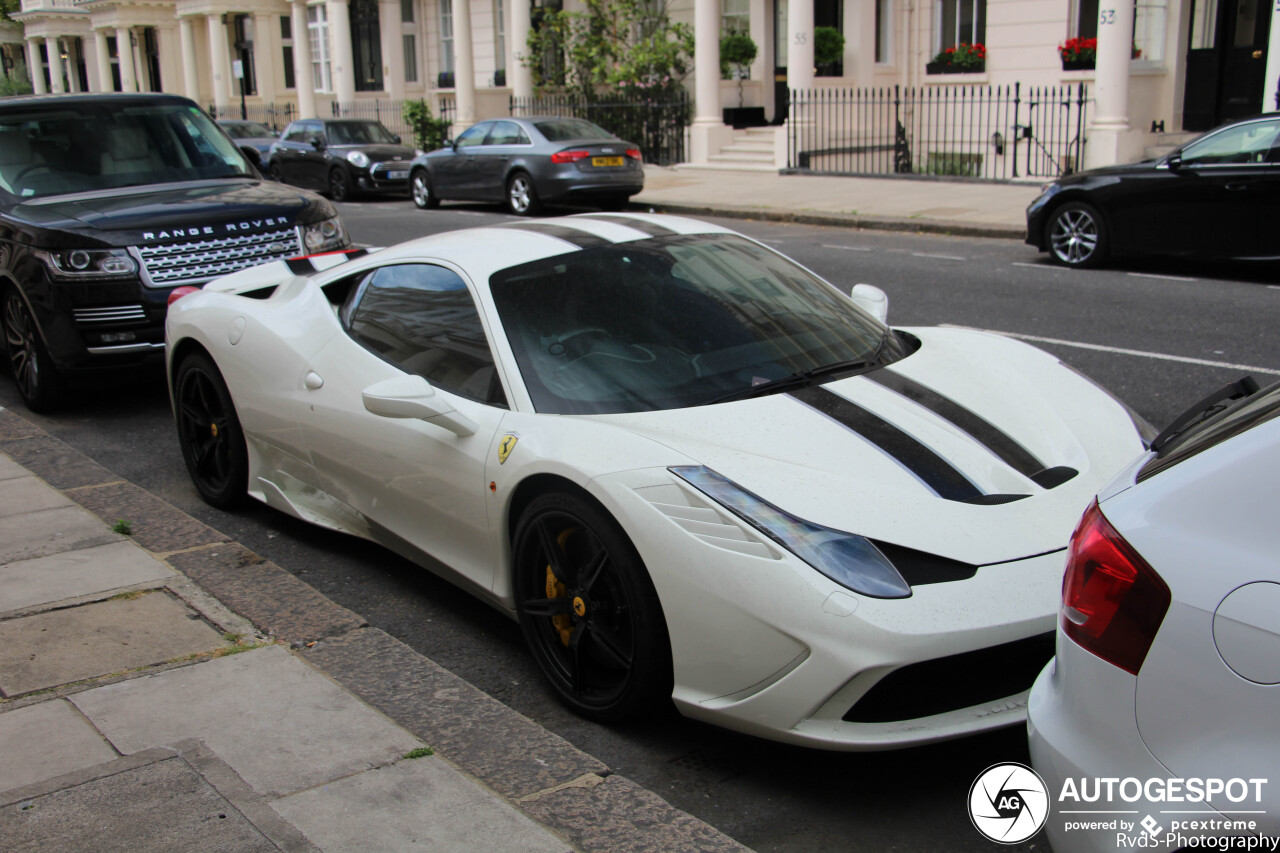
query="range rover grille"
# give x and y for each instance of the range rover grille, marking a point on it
(198, 261)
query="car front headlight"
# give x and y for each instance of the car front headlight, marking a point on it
(325, 236)
(359, 159)
(80, 264)
(846, 558)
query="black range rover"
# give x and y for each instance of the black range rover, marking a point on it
(108, 203)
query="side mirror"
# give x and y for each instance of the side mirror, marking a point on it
(396, 137)
(451, 143)
(413, 397)
(317, 143)
(1174, 161)
(871, 299)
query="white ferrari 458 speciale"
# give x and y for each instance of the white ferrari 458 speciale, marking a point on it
(691, 468)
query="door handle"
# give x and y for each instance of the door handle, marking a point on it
(1237, 186)
(313, 381)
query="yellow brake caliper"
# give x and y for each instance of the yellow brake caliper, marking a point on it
(555, 589)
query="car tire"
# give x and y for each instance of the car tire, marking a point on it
(339, 185)
(1076, 235)
(424, 197)
(39, 384)
(588, 610)
(522, 197)
(209, 433)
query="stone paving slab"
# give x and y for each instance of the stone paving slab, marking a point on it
(57, 463)
(46, 740)
(278, 723)
(277, 602)
(22, 495)
(62, 646)
(10, 469)
(27, 583)
(501, 747)
(51, 531)
(157, 526)
(421, 804)
(13, 426)
(118, 814)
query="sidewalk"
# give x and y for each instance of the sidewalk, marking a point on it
(165, 689)
(961, 208)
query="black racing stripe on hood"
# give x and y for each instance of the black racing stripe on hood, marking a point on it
(936, 472)
(581, 239)
(652, 229)
(988, 435)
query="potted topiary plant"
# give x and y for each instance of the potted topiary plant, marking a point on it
(828, 51)
(737, 52)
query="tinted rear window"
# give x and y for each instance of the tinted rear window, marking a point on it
(560, 129)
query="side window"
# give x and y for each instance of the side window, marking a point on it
(422, 319)
(474, 135)
(1246, 143)
(506, 133)
(296, 133)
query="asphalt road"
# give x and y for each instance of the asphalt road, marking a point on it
(1158, 335)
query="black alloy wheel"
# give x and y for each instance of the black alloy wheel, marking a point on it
(1077, 236)
(424, 196)
(522, 198)
(339, 184)
(589, 611)
(209, 432)
(39, 384)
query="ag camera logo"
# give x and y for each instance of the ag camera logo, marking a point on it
(1008, 803)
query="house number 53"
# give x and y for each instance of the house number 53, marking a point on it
(1106, 16)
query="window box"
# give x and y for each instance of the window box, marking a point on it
(1078, 64)
(444, 80)
(948, 68)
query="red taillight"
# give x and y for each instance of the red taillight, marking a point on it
(573, 155)
(179, 292)
(1112, 601)
(634, 154)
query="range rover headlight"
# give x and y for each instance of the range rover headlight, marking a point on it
(359, 159)
(325, 236)
(79, 264)
(848, 559)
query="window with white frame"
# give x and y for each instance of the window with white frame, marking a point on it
(1148, 30)
(286, 47)
(884, 31)
(960, 22)
(318, 29)
(735, 17)
(1085, 19)
(409, 38)
(446, 36)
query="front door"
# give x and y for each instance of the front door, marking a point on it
(1226, 61)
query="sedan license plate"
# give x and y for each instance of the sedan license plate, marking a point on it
(397, 176)
(606, 161)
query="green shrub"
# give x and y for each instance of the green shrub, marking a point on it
(828, 46)
(429, 133)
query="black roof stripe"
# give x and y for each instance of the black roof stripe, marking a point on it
(987, 434)
(937, 473)
(644, 226)
(581, 239)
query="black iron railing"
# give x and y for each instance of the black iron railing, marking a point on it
(999, 132)
(658, 127)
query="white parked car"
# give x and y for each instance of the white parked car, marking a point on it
(1167, 675)
(692, 469)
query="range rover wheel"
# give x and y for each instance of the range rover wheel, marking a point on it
(209, 433)
(588, 610)
(39, 384)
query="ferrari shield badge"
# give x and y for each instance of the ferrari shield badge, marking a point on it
(507, 445)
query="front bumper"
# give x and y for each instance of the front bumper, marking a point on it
(378, 178)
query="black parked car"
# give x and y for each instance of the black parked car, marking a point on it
(1216, 196)
(524, 162)
(341, 157)
(108, 203)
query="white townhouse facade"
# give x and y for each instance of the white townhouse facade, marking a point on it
(1176, 64)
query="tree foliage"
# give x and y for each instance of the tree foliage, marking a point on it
(628, 45)
(429, 132)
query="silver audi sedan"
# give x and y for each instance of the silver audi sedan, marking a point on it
(524, 162)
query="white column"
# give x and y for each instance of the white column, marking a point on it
(220, 60)
(800, 44)
(706, 62)
(266, 47)
(519, 75)
(341, 58)
(124, 49)
(36, 65)
(1271, 88)
(464, 65)
(1110, 124)
(302, 60)
(102, 61)
(56, 66)
(190, 74)
(391, 28)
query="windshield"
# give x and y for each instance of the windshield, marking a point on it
(671, 322)
(561, 129)
(359, 133)
(88, 147)
(248, 130)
